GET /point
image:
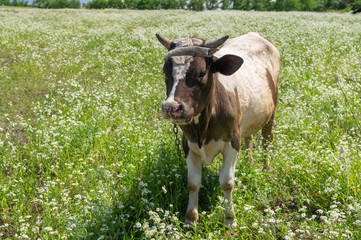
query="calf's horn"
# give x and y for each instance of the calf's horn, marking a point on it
(216, 42)
(191, 51)
(164, 41)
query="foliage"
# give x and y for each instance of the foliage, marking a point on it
(85, 153)
(15, 3)
(258, 5)
(101, 4)
(197, 5)
(56, 3)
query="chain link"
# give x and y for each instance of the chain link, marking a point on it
(179, 151)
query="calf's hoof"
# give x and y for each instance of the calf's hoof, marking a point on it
(230, 222)
(191, 217)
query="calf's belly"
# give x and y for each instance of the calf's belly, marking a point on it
(253, 121)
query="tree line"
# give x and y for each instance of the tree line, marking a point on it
(197, 5)
(42, 3)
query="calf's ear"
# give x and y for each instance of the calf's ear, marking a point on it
(228, 64)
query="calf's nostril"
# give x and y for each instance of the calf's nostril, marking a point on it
(180, 107)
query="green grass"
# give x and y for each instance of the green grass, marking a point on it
(85, 153)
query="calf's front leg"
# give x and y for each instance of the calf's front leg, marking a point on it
(226, 179)
(194, 184)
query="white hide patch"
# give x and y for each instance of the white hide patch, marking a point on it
(227, 83)
(229, 164)
(207, 152)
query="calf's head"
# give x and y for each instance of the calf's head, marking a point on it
(189, 67)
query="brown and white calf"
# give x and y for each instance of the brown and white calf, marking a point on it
(219, 96)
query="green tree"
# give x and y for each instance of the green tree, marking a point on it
(261, 5)
(56, 3)
(308, 5)
(212, 4)
(115, 4)
(169, 4)
(226, 4)
(356, 5)
(196, 5)
(147, 4)
(182, 4)
(287, 5)
(17, 3)
(97, 4)
(129, 4)
(336, 4)
(242, 4)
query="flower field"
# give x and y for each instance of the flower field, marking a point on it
(85, 153)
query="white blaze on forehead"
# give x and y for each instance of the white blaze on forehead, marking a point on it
(181, 63)
(180, 68)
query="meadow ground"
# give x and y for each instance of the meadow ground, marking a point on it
(85, 153)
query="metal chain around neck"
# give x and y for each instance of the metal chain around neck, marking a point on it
(179, 151)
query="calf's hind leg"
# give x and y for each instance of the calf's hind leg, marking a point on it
(248, 147)
(267, 135)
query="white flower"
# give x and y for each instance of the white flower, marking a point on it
(48, 229)
(303, 209)
(247, 207)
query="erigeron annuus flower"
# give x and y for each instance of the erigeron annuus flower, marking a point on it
(303, 209)
(320, 211)
(247, 207)
(350, 207)
(157, 219)
(312, 217)
(48, 229)
(149, 232)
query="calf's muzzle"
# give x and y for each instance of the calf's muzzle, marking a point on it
(172, 109)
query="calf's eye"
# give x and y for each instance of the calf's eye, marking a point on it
(202, 74)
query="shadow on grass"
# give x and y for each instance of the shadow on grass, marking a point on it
(160, 186)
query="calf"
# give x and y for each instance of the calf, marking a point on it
(218, 96)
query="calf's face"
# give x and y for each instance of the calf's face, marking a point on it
(189, 80)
